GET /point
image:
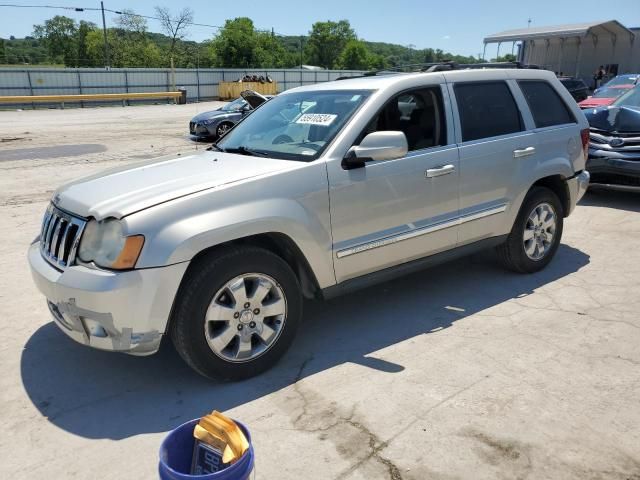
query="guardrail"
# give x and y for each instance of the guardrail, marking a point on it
(97, 97)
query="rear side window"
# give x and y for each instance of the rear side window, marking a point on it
(487, 109)
(546, 106)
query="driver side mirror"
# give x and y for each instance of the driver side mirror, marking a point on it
(385, 145)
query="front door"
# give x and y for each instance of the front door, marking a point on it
(394, 211)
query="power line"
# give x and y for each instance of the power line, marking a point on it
(77, 9)
(130, 13)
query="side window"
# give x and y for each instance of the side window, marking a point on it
(487, 109)
(417, 113)
(546, 106)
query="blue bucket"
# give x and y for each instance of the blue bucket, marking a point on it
(176, 453)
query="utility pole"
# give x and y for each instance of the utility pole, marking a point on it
(529, 23)
(104, 31)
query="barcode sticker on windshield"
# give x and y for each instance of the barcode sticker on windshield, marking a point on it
(323, 119)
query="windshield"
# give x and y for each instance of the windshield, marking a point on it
(234, 106)
(622, 80)
(629, 99)
(294, 126)
(608, 93)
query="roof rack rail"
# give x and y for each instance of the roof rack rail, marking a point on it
(443, 66)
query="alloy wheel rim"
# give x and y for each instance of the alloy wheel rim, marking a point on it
(222, 129)
(539, 231)
(245, 317)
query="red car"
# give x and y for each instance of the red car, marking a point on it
(611, 90)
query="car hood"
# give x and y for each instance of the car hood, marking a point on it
(211, 114)
(596, 102)
(615, 119)
(253, 98)
(121, 191)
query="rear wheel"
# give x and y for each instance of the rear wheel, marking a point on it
(237, 313)
(536, 233)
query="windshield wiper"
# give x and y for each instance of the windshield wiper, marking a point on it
(214, 146)
(242, 150)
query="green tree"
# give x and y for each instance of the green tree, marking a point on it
(271, 53)
(130, 44)
(59, 36)
(236, 43)
(3, 52)
(326, 42)
(355, 56)
(94, 45)
(504, 58)
(83, 59)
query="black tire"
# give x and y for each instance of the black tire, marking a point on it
(512, 252)
(196, 292)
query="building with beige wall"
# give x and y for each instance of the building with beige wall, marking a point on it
(576, 49)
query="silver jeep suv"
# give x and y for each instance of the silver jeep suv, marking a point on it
(323, 189)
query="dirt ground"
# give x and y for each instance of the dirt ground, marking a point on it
(463, 371)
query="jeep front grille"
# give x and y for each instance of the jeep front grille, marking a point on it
(60, 236)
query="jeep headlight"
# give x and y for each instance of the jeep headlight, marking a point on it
(104, 243)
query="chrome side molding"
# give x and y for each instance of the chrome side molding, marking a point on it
(363, 247)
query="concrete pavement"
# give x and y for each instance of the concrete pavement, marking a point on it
(462, 371)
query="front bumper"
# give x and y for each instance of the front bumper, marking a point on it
(614, 169)
(578, 185)
(200, 130)
(117, 311)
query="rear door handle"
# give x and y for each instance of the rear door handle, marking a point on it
(524, 152)
(438, 171)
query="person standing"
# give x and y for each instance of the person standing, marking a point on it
(599, 76)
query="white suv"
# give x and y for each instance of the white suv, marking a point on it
(322, 189)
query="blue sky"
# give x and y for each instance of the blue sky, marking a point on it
(457, 26)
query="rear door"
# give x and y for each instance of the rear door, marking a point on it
(494, 146)
(556, 127)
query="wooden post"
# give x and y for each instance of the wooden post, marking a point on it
(173, 76)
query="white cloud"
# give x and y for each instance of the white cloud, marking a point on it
(446, 37)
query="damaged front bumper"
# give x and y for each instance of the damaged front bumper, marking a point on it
(117, 311)
(615, 170)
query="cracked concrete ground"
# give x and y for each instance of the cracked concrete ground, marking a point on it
(462, 371)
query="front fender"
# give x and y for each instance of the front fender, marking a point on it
(178, 230)
(193, 235)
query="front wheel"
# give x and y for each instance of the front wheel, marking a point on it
(237, 313)
(222, 129)
(536, 233)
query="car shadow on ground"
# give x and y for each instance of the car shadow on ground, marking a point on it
(600, 197)
(105, 395)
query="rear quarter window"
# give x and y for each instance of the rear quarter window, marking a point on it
(487, 109)
(547, 107)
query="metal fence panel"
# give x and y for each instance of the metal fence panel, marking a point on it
(201, 84)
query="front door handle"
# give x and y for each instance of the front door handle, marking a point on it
(438, 171)
(524, 152)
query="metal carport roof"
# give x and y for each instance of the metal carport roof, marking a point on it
(560, 31)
